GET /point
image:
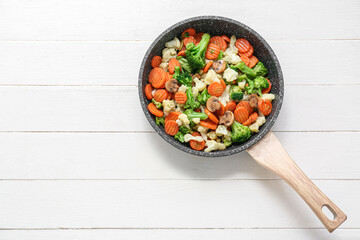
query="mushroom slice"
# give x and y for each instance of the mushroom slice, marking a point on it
(172, 85)
(213, 104)
(253, 100)
(219, 66)
(227, 119)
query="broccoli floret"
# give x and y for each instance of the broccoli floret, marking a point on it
(185, 66)
(250, 73)
(227, 142)
(261, 82)
(160, 121)
(176, 73)
(157, 104)
(240, 133)
(195, 54)
(192, 114)
(236, 93)
(183, 78)
(190, 102)
(241, 78)
(184, 129)
(180, 137)
(203, 97)
(260, 69)
(256, 86)
(221, 55)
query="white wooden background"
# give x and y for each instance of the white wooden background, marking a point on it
(78, 160)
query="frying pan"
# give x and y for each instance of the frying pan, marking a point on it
(263, 146)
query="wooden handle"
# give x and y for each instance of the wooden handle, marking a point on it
(269, 153)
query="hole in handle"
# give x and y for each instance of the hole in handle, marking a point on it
(329, 212)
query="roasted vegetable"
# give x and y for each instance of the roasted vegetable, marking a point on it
(240, 133)
(195, 54)
(185, 66)
(250, 73)
(191, 103)
(260, 69)
(236, 93)
(192, 114)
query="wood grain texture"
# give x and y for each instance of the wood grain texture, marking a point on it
(269, 153)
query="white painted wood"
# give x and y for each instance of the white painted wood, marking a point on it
(167, 204)
(305, 108)
(117, 156)
(176, 234)
(118, 63)
(113, 20)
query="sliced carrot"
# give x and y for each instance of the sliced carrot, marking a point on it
(154, 110)
(195, 144)
(212, 116)
(172, 116)
(226, 38)
(267, 90)
(197, 110)
(160, 95)
(220, 42)
(212, 51)
(198, 37)
(252, 118)
(180, 97)
(186, 41)
(168, 76)
(207, 66)
(250, 52)
(215, 89)
(241, 114)
(148, 91)
(253, 61)
(155, 61)
(231, 106)
(223, 84)
(220, 112)
(182, 53)
(265, 106)
(157, 77)
(172, 64)
(242, 45)
(188, 32)
(171, 127)
(245, 59)
(245, 105)
(208, 124)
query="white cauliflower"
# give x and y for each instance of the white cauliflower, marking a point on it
(211, 77)
(195, 92)
(196, 120)
(242, 84)
(221, 130)
(202, 130)
(182, 88)
(231, 57)
(183, 120)
(246, 97)
(225, 97)
(168, 53)
(212, 145)
(199, 84)
(175, 43)
(268, 96)
(212, 135)
(179, 107)
(230, 75)
(164, 66)
(232, 45)
(189, 137)
(255, 126)
(168, 106)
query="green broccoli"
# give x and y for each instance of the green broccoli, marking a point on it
(240, 133)
(227, 142)
(260, 69)
(177, 73)
(185, 65)
(195, 54)
(182, 78)
(191, 103)
(250, 73)
(241, 78)
(256, 86)
(160, 121)
(184, 129)
(192, 114)
(221, 55)
(236, 93)
(203, 97)
(261, 82)
(157, 104)
(180, 137)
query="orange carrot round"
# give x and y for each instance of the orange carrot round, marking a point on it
(195, 144)
(208, 124)
(253, 61)
(246, 105)
(242, 45)
(220, 42)
(267, 90)
(212, 116)
(172, 116)
(172, 64)
(220, 112)
(155, 61)
(160, 95)
(198, 37)
(212, 51)
(265, 106)
(186, 41)
(188, 32)
(157, 77)
(148, 91)
(226, 38)
(241, 114)
(215, 89)
(252, 118)
(154, 110)
(223, 84)
(250, 52)
(182, 53)
(245, 59)
(171, 127)
(231, 106)
(207, 66)
(180, 97)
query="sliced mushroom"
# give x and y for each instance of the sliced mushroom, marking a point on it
(253, 100)
(172, 85)
(219, 66)
(213, 104)
(196, 75)
(227, 119)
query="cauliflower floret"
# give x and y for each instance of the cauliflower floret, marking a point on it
(211, 77)
(268, 96)
(255, 126)
(212, 145)
(225, 97)
(231, 57)
(189, 137)
(199, 84)
(230, 75)
(221, 130)
(196, 120)
(212, 135)
(183, 120)
(175, 43)
(179, 107)
(164, 66)
(183, 88)
(242, 84)
(195, 92)
(168, 53)
(202, 130)
(168, 106)
(232, 44)
(246, 97)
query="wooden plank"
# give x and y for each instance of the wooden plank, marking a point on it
(118, 109)
(118, 63)
(180, 234)
(117, 156)
(114, 20)
(167, 204)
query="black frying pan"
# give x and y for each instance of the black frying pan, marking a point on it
(262, 146)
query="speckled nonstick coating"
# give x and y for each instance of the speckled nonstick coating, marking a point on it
(215, 25)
